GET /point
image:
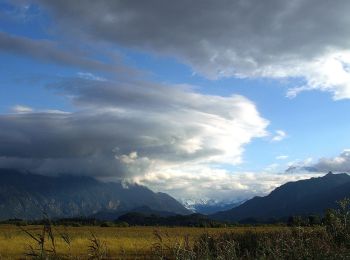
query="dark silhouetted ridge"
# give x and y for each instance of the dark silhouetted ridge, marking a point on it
(311, 196)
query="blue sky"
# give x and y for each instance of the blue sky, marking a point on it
(49, 52)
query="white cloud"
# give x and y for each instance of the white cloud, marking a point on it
(272, 167)
(279, 136)
(301, 163)
(90, 76)
(25, 109)
(198, 182)
(21, 109)
(329, 73)
(282, 157)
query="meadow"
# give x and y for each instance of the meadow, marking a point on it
(113, 242)
(92, 242)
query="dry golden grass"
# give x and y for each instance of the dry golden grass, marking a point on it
(120, 241)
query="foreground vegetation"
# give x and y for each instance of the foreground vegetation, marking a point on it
(115, 241)
(330, 239)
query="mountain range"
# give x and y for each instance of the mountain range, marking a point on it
(29, 196)
(209, 206)
(304, 197)
(26, 195)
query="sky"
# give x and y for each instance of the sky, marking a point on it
(220, 100)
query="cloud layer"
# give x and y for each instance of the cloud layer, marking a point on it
(340, 163)
(307, 39)
(50, 51)
(129, 129)
(217, 184)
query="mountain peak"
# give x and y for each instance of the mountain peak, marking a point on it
(336, 175)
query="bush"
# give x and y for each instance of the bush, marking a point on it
(122, 224)
(107, 224)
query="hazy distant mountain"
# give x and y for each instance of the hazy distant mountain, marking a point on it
(24, 195)
(209, 206)
(294, 198)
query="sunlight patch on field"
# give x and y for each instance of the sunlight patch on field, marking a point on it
(130, 241)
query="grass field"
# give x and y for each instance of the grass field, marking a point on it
(120, 242)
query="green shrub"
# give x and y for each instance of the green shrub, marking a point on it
(107, 224)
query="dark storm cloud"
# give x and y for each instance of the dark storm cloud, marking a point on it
(138, 95)
(244, 38)
(48, 51)
(258, 32)
(124, 128)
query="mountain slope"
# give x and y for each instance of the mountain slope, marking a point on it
(28, 196)
(294, 198)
